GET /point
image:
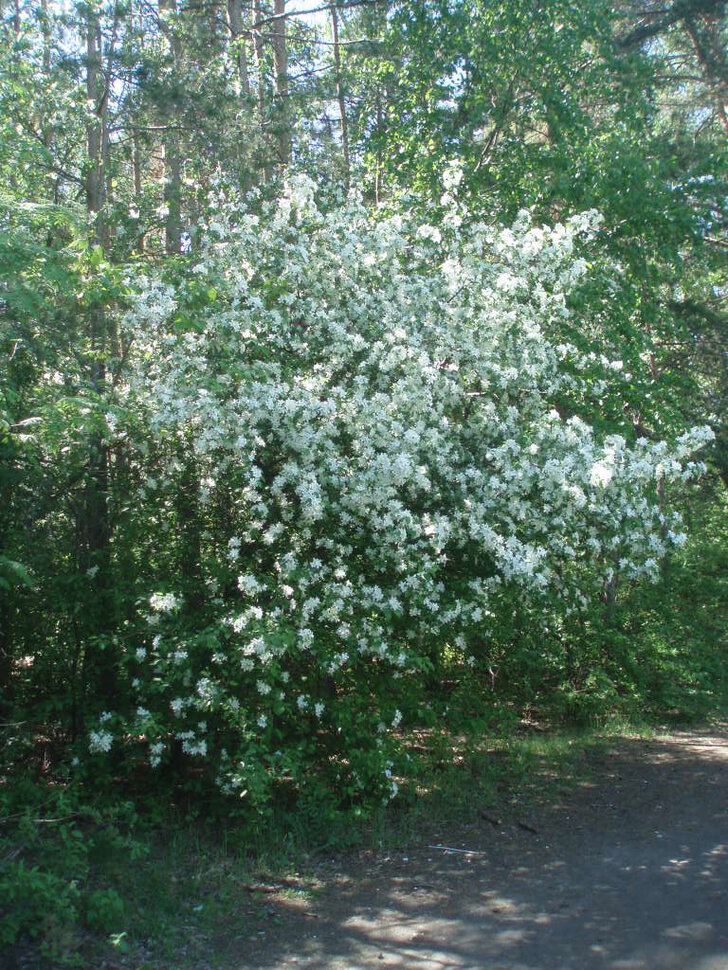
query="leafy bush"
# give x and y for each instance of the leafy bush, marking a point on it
(105, 911)
(35, 903)
(362, 439)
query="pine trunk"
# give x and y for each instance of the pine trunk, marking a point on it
(280, 70)
(172, 155)
(340, 95)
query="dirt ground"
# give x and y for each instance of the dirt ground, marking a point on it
(630, 870)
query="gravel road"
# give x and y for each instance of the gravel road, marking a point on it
(628, 871)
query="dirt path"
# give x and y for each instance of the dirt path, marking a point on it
(629, 871)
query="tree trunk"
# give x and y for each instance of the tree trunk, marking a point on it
(93, 527)
(340, 95)
(136, 161)
(379, 162)
(189, 531)
(280, 71)
(237, 35)
(172, 156)
(712, 60)
(95, 184)
(8, 480)
(259, 59)
(611, 587)
(260, 67)
(45, 27)
(136, 24)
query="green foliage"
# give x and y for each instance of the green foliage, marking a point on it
(36, 904)
(661, 656)
(104, 911)
(60, 852)
(555, 107)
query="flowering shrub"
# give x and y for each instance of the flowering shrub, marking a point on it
(375, 428)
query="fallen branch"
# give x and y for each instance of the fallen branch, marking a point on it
(449, 848)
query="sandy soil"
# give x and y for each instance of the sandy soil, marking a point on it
(630, 870)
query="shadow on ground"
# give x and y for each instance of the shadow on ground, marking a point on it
(630, 870)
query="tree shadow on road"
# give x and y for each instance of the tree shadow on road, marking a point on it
(629, 870)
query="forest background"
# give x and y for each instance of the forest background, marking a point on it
(364, 381)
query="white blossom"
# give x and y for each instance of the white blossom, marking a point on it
(100, 742)
(378, 417)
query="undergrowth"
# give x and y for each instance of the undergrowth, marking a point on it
(156, 874)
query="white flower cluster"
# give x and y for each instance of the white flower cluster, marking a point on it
(164, 602)
(100, 742)
(384, 409)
